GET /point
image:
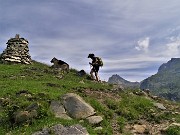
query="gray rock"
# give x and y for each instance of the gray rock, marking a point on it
(94, 119)
(76, 130)
(59, 130)
(160, 106)
(33, 106)
(76, 107)
(22, 117)
(58, 109)
(45, 131)
(62, 130)
(98, 128)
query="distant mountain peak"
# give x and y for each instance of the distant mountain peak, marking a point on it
(170, 65)
(116, 79)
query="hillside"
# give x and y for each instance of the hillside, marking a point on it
(116, 79)
(28, 91)
(166, 82)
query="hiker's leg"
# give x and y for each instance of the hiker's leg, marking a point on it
(97, 77)
(91, 73)
(96, 72)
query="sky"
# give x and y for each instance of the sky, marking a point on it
(133, 37)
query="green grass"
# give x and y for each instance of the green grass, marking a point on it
(44, 84)
(132, 107)
(173, 130)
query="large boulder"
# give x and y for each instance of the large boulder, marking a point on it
(76, 107)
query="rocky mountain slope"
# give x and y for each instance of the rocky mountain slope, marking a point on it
(166, 83)
(36, 99)
(116, 79)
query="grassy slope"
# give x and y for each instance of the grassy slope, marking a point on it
(39, 80)
(44, 84)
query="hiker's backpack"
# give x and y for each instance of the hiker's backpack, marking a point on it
(99, 61)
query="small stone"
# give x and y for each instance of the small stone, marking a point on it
(22, 117)
(94, 119)
(69, 130)
(160, 106)
(82, 82)
(45, 131)
(175, 124)
(98, 128)
(81, 121)
(33, 106)
(139, 128)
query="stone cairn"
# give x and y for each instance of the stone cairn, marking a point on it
(17, 51)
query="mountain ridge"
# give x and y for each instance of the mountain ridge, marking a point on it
(165, 82)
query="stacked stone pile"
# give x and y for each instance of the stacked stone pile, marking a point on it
(17, 51)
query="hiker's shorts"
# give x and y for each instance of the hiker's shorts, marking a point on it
(95, 68)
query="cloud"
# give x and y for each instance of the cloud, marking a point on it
(173, 48)
(143, 44)
(69, 30)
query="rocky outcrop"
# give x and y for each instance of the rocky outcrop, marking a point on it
(116, 79)
(17, 51)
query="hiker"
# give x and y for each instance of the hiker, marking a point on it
(96, 63)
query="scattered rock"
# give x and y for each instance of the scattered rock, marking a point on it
(98, 128)
(82, 82)
(45, 131)
(76, 107)
(160, 106)
(141, 93)
(24, 93)
(21, 117)
(4, 101)
(94, 119)
(33, 106)
(33, 113)
(139, 128)
(58, 110)
(81, 73)
(62, 130)
(70, 130)
(175, 124)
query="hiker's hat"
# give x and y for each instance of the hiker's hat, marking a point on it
(90, 55)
